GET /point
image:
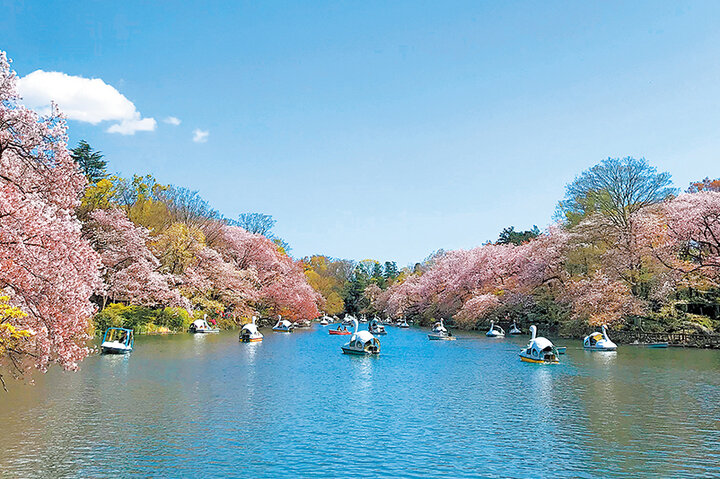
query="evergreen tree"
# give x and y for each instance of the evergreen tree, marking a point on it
(90, 162)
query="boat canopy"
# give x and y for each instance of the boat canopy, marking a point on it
(283, 323)
(364, 336)
(541, 344)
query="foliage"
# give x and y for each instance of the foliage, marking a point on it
(256, 223)
(90, 162)
(510, 236)
(616, 189)
(46, 268)
(141, 318)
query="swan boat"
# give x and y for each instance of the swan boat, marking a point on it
(117, 341)
(250, 334)
(283, 326)
(495, 331)
(302, 324)
(325, 320)
(361, 343)
(403, 324)
(515, 329)
(599, 341)
(376, 328)
(201, 326)
(439, 332)
(539, 350)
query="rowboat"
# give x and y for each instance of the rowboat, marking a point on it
(339, 332)
(650, 345)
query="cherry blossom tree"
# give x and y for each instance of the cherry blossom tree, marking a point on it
(47, 269)
(283, 287)
(130, 270)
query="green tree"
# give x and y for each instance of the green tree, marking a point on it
(616, 188)
(510, 236)
(90, 162)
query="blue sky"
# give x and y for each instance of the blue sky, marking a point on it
(388, 130)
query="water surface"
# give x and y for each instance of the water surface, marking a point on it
(294, 406)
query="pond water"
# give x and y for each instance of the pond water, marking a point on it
(294, 406)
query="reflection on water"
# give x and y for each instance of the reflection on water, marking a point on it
(294, 406)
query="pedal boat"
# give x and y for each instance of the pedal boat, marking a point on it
(250, 334)
(201, 326)
(117, 341)
(495, 331)
(376, 328)
(599, 341)
(362, 343)
(283, 326)
(440, 333)
(539, 350)
(302, 324)
(515, 330)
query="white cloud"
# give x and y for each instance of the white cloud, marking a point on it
(129, 127)
(83, 99)
(200, 136)
(172, 120)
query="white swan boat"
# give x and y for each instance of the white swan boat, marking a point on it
(439, 332)
(325, 320)
(201, 326)
(495, 331)
(361, 343)
(283, 326)
(599, 341)
(515, 330)
(376, 328)
(117, 341)
(539, 350)
(403, 324)
(249, 333)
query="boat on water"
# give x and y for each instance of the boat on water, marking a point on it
(361, 343)
(325, 320)
(651, 345)
(515, 330)
(539, 350)
(200, 326)
(302, 324)
(363, 319)
(250, 333)
(403, 324)
(495, 331)
(283, 326)
(599, 341)
(348, 320)
(376, 328)
(340, 331)
(440, 333)
(117, 341)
